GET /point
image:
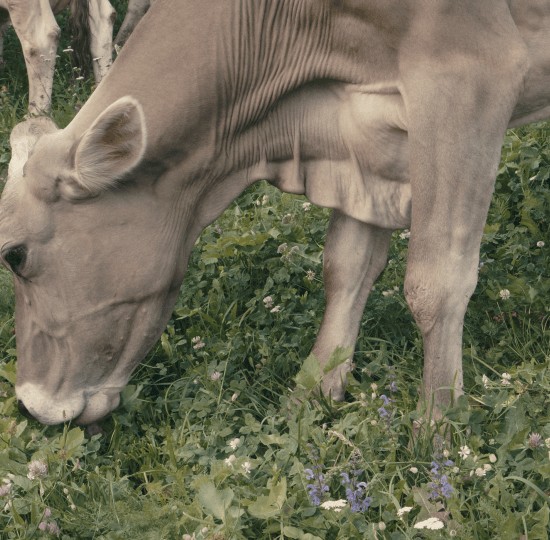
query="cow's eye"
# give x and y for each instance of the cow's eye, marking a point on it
(15, 257)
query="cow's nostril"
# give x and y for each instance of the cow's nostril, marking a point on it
(23, 410)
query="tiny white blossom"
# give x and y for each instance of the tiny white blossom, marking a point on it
(540, 244)
(230, 460)
(73, 507)
(68, 50)
(456, 470)
(547, 441)
(472, 472)
(476, 458)
(276, 309)
(306, 206)
(268, 301)
(215, 376)
(37, 469)
(485, 380)
(310, 275)
(258, 202)
(414, 470)
(487, 467)
(334, 505)
(264, 199)
(234, 443)
(464, 452)
(430, 523)
(480, 472)
(234, 396)
(382, 526)
(246, 466)
(373, 395)
(504, 294)
(404, 235)
(66, 491)
(492, 458)
(404, 510)
(80, 78)
(446, 453)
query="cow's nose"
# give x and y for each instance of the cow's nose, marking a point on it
(23, 410)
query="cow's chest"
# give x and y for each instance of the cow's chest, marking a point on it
(343, 146)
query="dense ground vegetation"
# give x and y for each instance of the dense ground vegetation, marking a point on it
(207, 443)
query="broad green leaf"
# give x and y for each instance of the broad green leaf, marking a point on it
(265, 507)
(539, 530)
(337, 357)
(310, 375)
(215, 502)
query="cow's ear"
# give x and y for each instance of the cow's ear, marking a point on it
(112, 146)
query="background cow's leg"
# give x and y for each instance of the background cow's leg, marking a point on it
(136, 10)
(39, 34)
(102, 20)
(458, 109)
(5, 23)
(355, 254)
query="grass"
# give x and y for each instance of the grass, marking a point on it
(207, 443)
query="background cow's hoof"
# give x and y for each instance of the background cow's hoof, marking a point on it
(94, 429)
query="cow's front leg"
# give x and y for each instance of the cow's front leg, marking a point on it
(460, 98)
(102, 20)
(39, 34)
(355, 254)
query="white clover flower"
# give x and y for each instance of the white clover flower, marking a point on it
(276, 309)
(246, 466)
(547, 442)
(234, 396)
(264, 199)
(464, 452)
(306, 206)
(373, 395)
(199, 345)
(234, 443)
(215, 376)
(268, 301)
(487, 467)
(540, 244)
(476, 458)
(446, 453)
(404, 510)
(414, 470)
(456, 470)
(492, 442)
(492, 458)
(37, 469)
(504, 294)
(381, 526)
(334, 505)
(310, 275)
(506, 377)
(229, 461)
(472, 472)
(374, 386)
(480, 472)
(404, 235)
(431, 523)
(485, 380)
(5, 489)
(258, 202)
(282, 248)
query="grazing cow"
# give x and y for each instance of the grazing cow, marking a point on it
(391, 112)
(38, 31)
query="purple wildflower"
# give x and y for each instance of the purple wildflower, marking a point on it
(318, 489)
(440, 483)
(356, 492)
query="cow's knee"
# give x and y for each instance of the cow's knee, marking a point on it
(437, 299)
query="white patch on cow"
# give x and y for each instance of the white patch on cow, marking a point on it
(111, 147)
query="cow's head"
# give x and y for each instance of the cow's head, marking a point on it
(94, 262)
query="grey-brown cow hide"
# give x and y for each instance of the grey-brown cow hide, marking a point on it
(391, 112)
